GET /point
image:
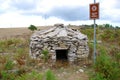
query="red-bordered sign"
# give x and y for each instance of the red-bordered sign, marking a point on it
(94, 11)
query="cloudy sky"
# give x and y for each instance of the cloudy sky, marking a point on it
(22, 13)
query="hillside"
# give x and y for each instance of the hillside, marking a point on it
(16, 64)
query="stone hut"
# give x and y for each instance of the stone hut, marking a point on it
(62, 43)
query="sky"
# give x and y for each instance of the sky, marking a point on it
(22, 13)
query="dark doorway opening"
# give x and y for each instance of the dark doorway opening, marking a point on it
(62, 54)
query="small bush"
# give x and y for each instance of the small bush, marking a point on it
(32, 28)
(106, 68)
(50, 75)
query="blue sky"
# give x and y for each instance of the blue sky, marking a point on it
(22, 13)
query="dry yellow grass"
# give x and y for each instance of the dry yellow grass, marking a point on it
(6, 33)
(12, 32)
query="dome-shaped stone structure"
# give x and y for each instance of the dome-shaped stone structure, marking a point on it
(61, 42)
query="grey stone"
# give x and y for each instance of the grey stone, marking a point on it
(59, 37)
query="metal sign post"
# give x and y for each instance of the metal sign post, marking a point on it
(94, 14)
(94, 54)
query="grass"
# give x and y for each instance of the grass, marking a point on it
(16, 64)
(30, 76)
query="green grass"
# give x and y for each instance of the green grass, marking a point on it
(30, 76)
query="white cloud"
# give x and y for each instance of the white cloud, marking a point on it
(4, 4)
(47, 5)
(17, 20)
(20, 13)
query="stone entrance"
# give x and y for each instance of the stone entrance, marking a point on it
(62, 54)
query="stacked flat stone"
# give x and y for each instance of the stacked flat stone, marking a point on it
(59, 37)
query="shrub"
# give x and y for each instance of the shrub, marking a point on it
(106, 68)
(32, 27)
(110, 35)
(98, 76)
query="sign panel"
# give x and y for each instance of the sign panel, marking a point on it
(94, 11)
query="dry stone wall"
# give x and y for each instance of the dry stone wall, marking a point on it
(59, 37)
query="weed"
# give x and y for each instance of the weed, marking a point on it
(117, 57)
(98, 76)
(45, 53)
(9, 65)
(7, 76)
(50, 75)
